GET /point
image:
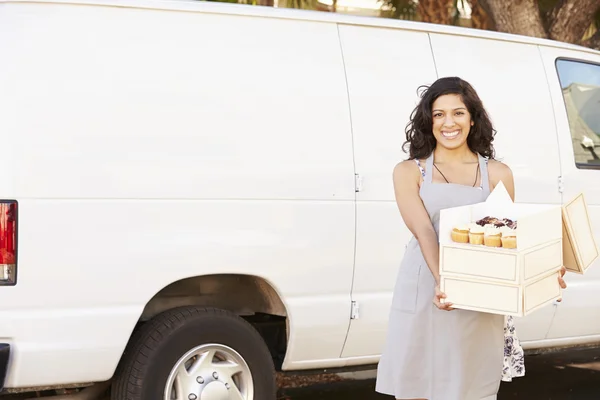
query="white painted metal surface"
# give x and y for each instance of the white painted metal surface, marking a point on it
(382, 79)
(142, 156)
(578, 315)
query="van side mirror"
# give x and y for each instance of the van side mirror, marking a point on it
(588, 143)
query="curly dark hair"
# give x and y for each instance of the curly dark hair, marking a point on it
(419, 131)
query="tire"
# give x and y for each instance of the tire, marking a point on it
(162, 343)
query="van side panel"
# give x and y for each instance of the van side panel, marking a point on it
(510, 79)
(384, 68)
(576, 97)
(7, 171)
(151, 146)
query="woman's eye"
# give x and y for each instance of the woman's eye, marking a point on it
(460, 113)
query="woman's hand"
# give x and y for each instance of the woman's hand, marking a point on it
(437, 300)
(561, 281)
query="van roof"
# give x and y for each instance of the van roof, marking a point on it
(309, 15)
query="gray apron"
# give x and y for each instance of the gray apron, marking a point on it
(430, 353)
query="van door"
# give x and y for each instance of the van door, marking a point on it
(384, 69)
(509, 77)
(219, 144)
(574, 81)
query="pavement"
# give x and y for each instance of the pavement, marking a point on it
(566, 375)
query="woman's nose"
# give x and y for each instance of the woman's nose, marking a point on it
(449, 121)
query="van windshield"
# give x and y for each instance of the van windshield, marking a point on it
(580, 82)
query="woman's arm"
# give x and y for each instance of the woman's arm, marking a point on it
(501, 172)
(406, 178)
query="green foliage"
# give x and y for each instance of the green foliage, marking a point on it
(402, 9)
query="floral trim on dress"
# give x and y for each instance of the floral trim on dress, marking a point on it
(420, 168)
(514, 358)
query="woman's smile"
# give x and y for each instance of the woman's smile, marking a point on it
(447, 134)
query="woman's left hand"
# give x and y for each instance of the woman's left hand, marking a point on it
(561, 281)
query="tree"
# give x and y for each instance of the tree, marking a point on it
(564, 20)
(594, 41)
(436, 11)
(402, 9)
(522, 17)
(480, 18)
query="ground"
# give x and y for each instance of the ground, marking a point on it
(566, 375)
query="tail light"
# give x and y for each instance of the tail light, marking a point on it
(8, 242)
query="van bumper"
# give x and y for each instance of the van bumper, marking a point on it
(4, 355)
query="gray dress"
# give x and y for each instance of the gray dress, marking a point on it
(430, 353)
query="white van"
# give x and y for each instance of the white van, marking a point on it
(196, 194)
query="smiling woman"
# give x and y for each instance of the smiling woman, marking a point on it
(446, 107)
(431, 353)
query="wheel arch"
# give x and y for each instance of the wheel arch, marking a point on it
(249, 296)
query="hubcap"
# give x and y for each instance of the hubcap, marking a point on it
(210, 372)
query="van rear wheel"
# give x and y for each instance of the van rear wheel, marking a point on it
(193, 353)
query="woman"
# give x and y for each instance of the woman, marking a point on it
(435, 352)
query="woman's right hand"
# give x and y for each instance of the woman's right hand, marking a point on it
(437, 300)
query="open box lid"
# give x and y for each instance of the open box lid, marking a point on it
(537, 223)
(579, 245)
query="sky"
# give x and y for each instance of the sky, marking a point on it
(578, 72)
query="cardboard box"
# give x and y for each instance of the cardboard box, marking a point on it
(579, 245)
(506, 299)
(498, 280)
(501, 265)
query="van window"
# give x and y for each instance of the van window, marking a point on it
(580, 82)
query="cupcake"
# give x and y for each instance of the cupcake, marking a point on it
(472, 225)
(492, 237)
(460, 234)
(509, 238)
(476, 234)
(487, 221)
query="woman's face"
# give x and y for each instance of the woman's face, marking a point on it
(451, 121)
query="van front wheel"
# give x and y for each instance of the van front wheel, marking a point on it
(193, 353)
